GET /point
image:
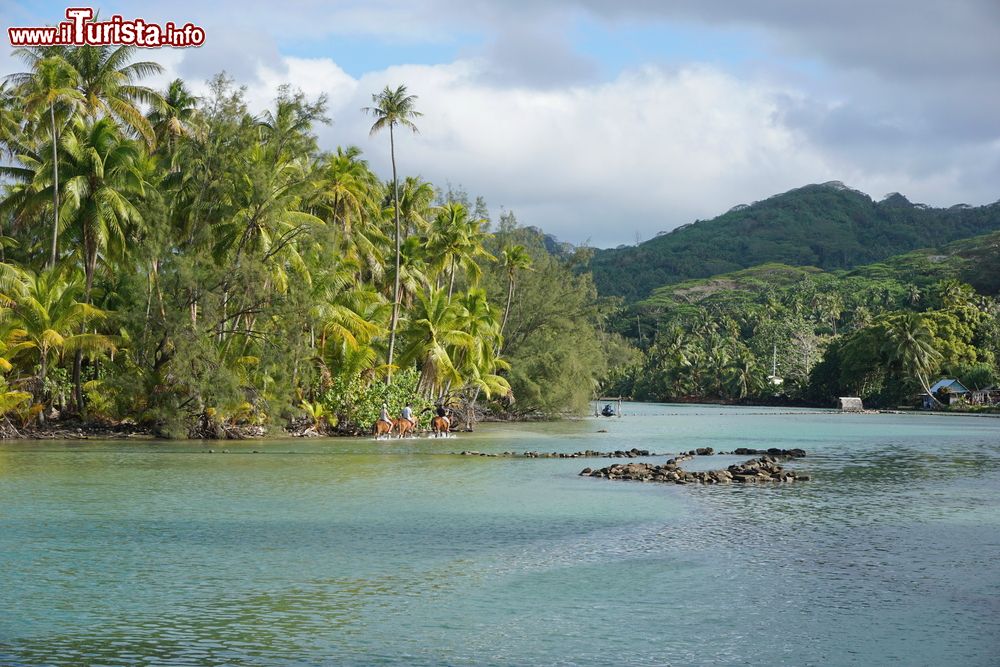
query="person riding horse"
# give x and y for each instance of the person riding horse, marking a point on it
(407, 414)
(405, 424)
(441, 423)
(383, 425)
(443, 413)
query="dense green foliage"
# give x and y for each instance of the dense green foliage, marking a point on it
(883, 332)
(554, 336)
(827, 226)
(185, 262)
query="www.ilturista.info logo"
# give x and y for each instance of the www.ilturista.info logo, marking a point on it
(81, 30)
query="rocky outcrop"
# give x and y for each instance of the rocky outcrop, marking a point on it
(764, 469)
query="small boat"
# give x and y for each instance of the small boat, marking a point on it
(608, 411)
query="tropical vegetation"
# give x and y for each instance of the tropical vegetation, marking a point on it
(777, 333)
(196, 266)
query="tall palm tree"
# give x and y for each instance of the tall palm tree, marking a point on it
(513, 258)
(910, 342)
(392, 108)
(102, 189)
(51, 83)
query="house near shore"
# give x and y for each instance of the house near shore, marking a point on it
(987, 396)
(947, 391)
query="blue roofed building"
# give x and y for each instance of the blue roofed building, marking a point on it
(948, 391)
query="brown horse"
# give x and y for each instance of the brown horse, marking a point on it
(382, 428)
(440, 426)
(403, 427)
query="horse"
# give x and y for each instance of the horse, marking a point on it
(440, 426)
(382, 428)
(403, 427)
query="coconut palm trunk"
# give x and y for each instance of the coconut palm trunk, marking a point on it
(451, 279)
(395, 289)
(393, 107)
(55, 186)
(506, 311)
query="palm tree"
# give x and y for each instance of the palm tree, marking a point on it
(173, 116)
(910, 342)
(743, 377)
(51, 83)
(457, 241)
(479, 362)
(415, 199)
(513, 259)
(268, 222)
(11, 116)
(434, 333)
(103, 186)
(413, 270)
(392, 108)
(48, 317)
(347, 186)
(108, 81)
(349, 195)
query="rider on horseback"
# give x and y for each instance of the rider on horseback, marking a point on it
(407, 414)
(443, 414)
(384, 415)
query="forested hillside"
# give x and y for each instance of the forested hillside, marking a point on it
(881, 331)
(828, 226)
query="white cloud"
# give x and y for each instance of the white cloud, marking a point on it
(903, 105)
(649, 150)
(652, 149)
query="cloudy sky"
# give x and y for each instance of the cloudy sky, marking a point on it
(609, 121)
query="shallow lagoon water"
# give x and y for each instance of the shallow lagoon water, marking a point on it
(350, 551)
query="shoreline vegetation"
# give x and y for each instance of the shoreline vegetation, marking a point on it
(186, 267)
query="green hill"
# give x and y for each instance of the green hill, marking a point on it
(829, 226)
(974, 260)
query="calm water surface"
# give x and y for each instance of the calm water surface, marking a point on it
(351, 551)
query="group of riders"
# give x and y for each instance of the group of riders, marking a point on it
(406, 423)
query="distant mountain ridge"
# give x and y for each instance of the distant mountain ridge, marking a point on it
(829, 226)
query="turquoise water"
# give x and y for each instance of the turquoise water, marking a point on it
(351, 551)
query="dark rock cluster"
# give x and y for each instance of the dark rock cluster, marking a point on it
(763, 469)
